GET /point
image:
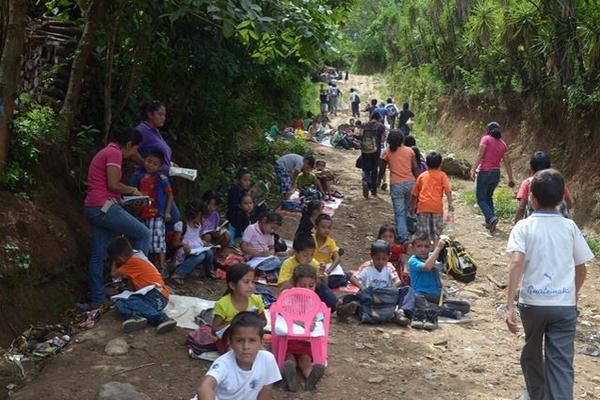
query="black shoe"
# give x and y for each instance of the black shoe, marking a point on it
(315, 376)
(492, 226)
(365, 188)
(290, 376)
(345, 310)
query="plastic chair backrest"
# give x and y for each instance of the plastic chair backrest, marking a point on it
(299, 305)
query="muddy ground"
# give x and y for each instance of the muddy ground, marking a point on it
(475, 361)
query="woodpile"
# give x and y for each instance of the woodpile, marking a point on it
(50, 43)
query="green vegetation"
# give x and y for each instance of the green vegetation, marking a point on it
(594, 244)
(549, 50)
(505, 205)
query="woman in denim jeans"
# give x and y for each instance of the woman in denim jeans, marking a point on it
(403, 173)
(492, 151)
(103, 210)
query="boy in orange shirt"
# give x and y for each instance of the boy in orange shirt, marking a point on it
(139, 310)
(428, 195)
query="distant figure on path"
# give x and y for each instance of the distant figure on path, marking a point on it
(355, 103)
(403, 118)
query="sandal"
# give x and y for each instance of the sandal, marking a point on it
(337, 194)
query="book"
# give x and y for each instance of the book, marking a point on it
(217, 229)
(256, 261)
(128, 200)
(199, 250)
(186, 173)
(124, 295)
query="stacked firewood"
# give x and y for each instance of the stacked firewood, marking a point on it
(50, 44)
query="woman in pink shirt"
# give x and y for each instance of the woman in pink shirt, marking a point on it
(492, 151)
(103, 209)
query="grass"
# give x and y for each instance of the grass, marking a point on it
(594, 244)
(505, 205)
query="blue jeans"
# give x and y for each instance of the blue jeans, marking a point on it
(401, 199)
(149, 306)
(487, 181)
(191, 262)
(370, 167)
(105, 227)
(326, 294)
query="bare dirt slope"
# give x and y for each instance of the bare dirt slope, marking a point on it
(475, 361)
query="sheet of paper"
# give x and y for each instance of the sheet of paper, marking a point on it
(127, 293)
(256, 261)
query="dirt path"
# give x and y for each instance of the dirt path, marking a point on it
(476, 361)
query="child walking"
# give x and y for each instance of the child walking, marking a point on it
(548, 256)
(428, 193)
(246, 371)
(328, 253)
(139, 310)
(194, 251)
(238, 298)
(153, 183)
(299, 354)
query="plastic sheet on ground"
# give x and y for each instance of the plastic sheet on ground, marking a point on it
(184, 309)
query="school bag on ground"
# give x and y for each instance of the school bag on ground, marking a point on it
(377, 305)
(459, 264)
(369, 139)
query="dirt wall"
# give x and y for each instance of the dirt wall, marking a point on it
(572, 142)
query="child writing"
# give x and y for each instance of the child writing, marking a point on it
(328, 253)
(139, 310)
(307, 183)
(194, 251)
(299, 354)
(239, 297)
(154, 184)
(380, 274)
(246, 371)
(398, 256)
(258, 244)
(211, 220)
(428, 193)
(242, 217)
(548, 256)
(538, 162)
(309, 216)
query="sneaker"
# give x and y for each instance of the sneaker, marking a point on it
(384, 186)
(417, 324)
(457, 315)
(290, 377)
(345, 310)
(492, 226)
(430, 325)
(166, 326)
(400, 318)
(315, 376)
(365, 189)
(134, 324)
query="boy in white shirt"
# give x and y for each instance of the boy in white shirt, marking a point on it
(548, 256)
(246, 372)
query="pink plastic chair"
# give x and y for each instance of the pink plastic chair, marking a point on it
(300, 305)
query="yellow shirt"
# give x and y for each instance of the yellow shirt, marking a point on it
(225, 309)
(325, 250)
(288, 267)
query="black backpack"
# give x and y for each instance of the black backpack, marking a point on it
(357, 98)
(369, 139)
(377, 305)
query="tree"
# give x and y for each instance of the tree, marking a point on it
(9, 71)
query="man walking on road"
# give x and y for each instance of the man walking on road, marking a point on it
(355, 102)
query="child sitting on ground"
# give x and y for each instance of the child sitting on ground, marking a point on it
(398, 255)
(309, 216)
(239, 297)
(299, 354)
(194, 251)
(307, 183)
(328, 253)
(246, 371)
(139, 310)
(239, 189)
(258, 244)
(154, 184)
(425, 277)
(539, 161)
(428, 193)
(211, 221)
(304, 252)
(327, 179)
(242, 217)
(380, 274)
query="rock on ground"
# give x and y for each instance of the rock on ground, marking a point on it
(120, 391)
(116, 347)
(456, 167)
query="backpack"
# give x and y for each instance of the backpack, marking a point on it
(459, 264)
(369, 139)
(392, 110)
(201, 340)
(377, 305)
(356, 98)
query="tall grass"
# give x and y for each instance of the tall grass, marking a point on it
(505, 205)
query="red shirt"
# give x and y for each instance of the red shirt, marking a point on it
(148, 187)
(494, 152)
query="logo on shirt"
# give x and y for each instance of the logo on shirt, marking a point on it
(214, 366)
(532, 290)
(253, 384)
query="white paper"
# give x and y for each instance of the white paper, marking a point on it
(186, 173)
(128, 293)
(134, 199)
(256, 261)
(184, 310)
(337, 270)
(199, 250)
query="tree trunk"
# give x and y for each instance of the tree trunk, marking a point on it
(9, 71)
(71, 105)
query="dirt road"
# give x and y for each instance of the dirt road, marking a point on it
(475, 361)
